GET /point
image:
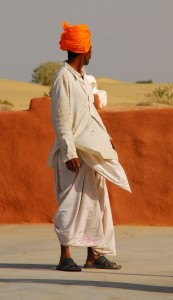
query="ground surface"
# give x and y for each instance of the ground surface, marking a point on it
(29, 254)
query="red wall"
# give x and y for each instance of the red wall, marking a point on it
(144, 142)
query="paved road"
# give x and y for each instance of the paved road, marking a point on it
(29, 254)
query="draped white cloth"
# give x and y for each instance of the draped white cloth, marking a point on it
(102, 95)
(84, 215)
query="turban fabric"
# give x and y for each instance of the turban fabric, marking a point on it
(75, 38)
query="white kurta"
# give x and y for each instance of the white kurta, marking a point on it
(84, 215)
(75, 119)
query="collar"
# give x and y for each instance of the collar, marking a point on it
(74, 72)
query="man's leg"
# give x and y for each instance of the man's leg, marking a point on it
(66, 263)
(65, 253)
(91, 257)
(63, 179)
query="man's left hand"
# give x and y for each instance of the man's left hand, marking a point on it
(73, 165)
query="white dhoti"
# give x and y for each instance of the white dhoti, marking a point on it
(84, 215)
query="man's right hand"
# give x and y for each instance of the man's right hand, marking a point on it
(73, 165)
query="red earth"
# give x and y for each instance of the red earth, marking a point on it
(143, 140)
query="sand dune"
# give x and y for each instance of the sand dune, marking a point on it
(125, 93)
(119, 93)
(20, 93)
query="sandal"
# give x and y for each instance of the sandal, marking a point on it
(103, 263)
(69, 265)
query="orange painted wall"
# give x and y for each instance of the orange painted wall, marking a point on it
(144, 142)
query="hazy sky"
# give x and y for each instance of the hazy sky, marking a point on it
(132, 39)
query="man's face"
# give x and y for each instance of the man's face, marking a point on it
(87, 57)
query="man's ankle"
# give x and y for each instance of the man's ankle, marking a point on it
(63, 257)
(92, 258)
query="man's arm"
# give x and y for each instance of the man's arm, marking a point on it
(62, 123)
(96, 101)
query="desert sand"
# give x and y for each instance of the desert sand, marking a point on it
(20, 93)
(120, 94)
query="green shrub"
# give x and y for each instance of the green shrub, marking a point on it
(44, 73)
(144, 81)
(161, 95)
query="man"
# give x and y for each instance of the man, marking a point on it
(82, 157)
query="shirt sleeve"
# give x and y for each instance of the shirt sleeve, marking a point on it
(60, 108)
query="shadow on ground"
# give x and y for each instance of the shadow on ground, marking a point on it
(116, 285)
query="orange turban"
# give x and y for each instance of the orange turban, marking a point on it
(75, 38)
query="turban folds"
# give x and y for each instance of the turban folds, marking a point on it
(75, 38)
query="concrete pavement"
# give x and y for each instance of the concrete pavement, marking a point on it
(29, 254)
